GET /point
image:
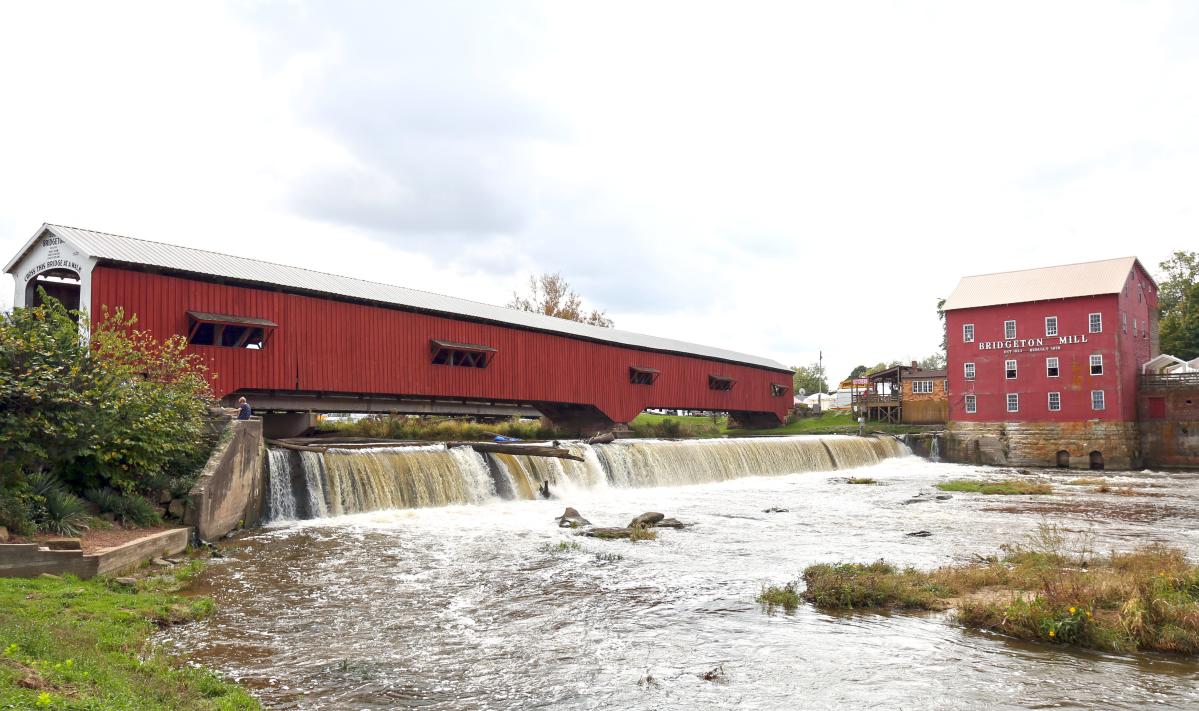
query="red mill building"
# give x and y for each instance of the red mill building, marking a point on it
(1044, 364)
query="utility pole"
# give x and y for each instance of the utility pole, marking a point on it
(820, 379)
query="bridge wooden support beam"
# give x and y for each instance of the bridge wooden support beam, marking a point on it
(576, 420)
(753, 420)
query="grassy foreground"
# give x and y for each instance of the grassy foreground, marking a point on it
(1147, 600)
(83, 644)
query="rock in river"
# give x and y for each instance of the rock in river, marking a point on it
(571, 518)
(646, 520)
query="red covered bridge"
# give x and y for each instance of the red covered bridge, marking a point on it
(295, 340)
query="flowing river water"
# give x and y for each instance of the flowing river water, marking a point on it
(389, 582)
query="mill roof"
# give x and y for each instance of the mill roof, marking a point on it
(1064, 281)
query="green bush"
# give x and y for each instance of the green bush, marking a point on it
(55, 509)
(115, 408)
(129, 508)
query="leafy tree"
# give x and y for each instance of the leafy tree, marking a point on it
(810, 379)
(944, 326)
(1179, 329)
(118, 410)
(858, 372)
(936, 361)
(881, 366)
(1182, 271)
(1178, 301)
(549, 294)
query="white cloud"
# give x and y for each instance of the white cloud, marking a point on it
(772, 178)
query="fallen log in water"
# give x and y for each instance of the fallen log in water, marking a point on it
(529, 450)
(296, 447)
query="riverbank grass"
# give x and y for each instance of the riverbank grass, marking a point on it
(67, 643)
(1006, 487)
(784, 596)
(1147, 600)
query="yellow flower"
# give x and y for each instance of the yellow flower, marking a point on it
(1072, 610)
(1088, 613)
(1052, 633)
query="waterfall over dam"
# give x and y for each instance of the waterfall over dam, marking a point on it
(316, 485)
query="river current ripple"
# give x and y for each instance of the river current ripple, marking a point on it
(473, 607)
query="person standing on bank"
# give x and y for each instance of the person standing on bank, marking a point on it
(243, 409)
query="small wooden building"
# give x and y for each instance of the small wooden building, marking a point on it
(905, 394)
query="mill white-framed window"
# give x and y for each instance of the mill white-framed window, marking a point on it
(1124, 322)
(1009, 369)
(969, 370)
(1051, 367)
(1097, 364)
(1136, 328)
(1055, 402)
(1095, 323)
(1097, 402)
(1051, 325)
(971, 404)
(968, 333)
(922, 387)
(1013, 402)
(1009, 330)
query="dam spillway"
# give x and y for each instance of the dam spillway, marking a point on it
(307, 484)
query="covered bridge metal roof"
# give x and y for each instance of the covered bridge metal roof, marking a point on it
(1065, 281)
(132, 251)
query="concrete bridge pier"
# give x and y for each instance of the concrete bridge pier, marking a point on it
(281, 425)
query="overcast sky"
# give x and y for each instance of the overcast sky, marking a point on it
(771, 178)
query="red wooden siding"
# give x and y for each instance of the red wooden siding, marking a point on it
(1123, 351)
(326, 345)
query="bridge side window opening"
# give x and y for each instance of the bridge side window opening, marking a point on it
(1051, 325)
(640, 375)
(968, 333)
(777, 390)
(1009, 330)
(1097, 402)
(969, 371)
(971, 404)
(720, 382)
(1097, 364)
(1013, 402)
(1055, 402)
(463, 355)
(1095, 323)
(1009, 369)
(225, 331)
(1052, 370)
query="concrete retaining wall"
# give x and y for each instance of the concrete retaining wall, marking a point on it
(27, 560)
(230, 489)
(1036, 444)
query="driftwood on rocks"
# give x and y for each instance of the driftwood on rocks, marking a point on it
(646, 519)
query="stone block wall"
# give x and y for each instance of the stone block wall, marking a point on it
(1170, 425)
(1036, 444)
